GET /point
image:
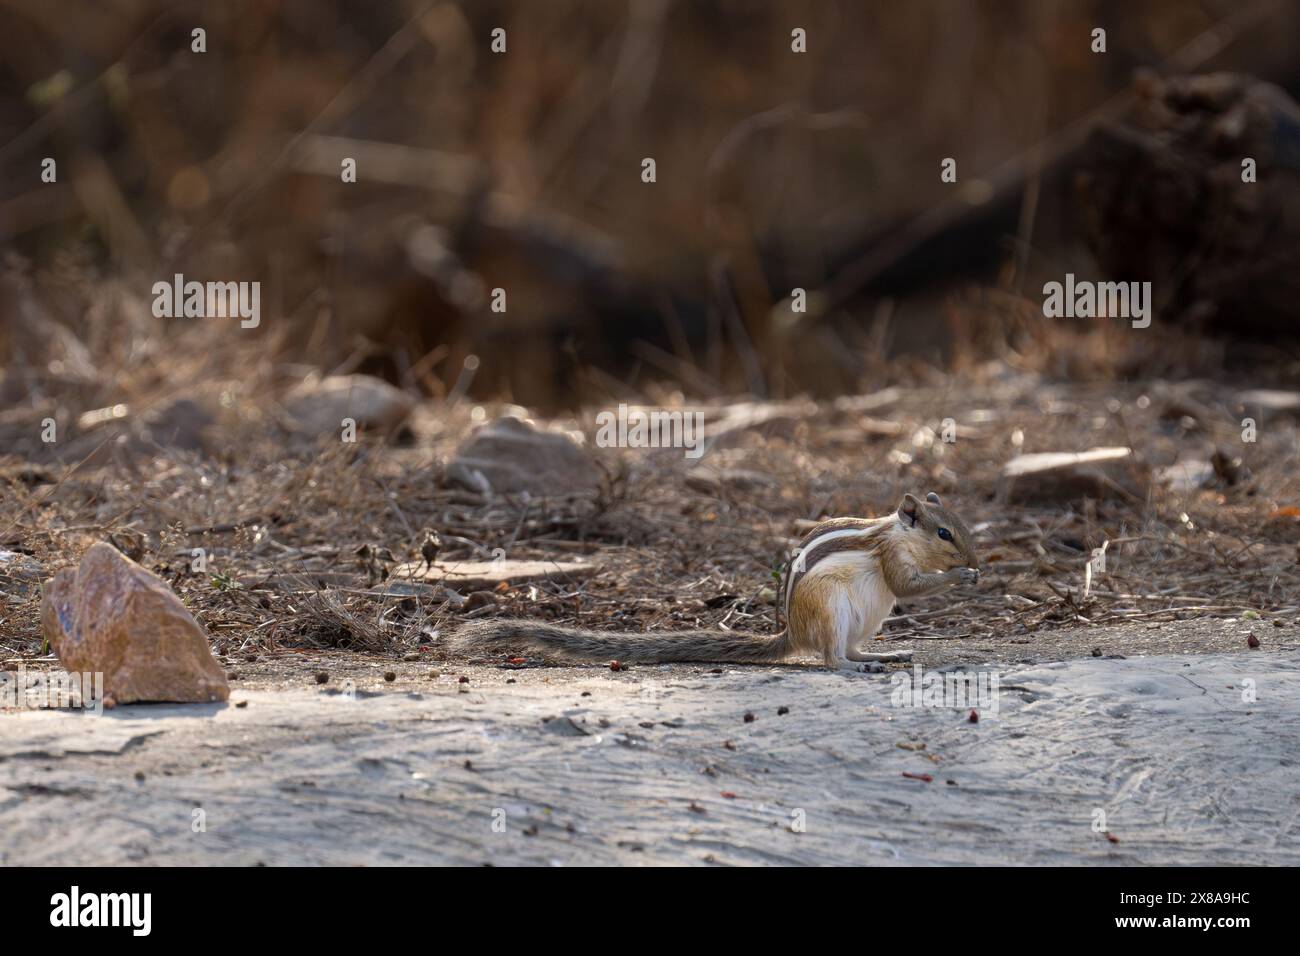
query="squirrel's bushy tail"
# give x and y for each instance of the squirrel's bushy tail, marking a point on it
(663, 647)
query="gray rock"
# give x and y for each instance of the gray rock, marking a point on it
(562, 727)
(182, 423)
(509, 456)
(712, 481)
(319, 407)
(20, 577)
(1187, 476)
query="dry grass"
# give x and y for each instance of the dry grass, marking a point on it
(206, 167)
(282, 524)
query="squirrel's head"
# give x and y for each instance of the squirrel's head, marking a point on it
(936, 537)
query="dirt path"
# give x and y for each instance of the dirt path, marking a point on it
(659, 765)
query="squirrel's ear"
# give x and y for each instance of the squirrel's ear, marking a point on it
(933, 499)
(909, 508)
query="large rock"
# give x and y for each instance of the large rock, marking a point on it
(319, 406)
(112, 616)
(509, 456)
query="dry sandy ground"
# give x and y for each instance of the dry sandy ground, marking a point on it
(1191, 758)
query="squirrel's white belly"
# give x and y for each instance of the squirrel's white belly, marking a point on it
(860, 601)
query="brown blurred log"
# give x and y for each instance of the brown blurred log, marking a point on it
(1164, 200)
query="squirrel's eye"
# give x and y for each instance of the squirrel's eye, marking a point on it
(945, 534)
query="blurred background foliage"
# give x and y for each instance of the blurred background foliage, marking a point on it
(522, 171)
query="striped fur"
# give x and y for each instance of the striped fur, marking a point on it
(842, 581)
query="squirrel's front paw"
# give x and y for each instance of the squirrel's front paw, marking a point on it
(968, 576)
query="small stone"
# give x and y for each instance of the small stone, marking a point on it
(20, 576)
(319, 407)
(1252, 642)
(713, 481)
(479, 599)
(749, 718)
(111, 616)
(408, 589)
(390, 676)
(509, 456)
(322, 677)
(1186, 476)
(182, 423)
